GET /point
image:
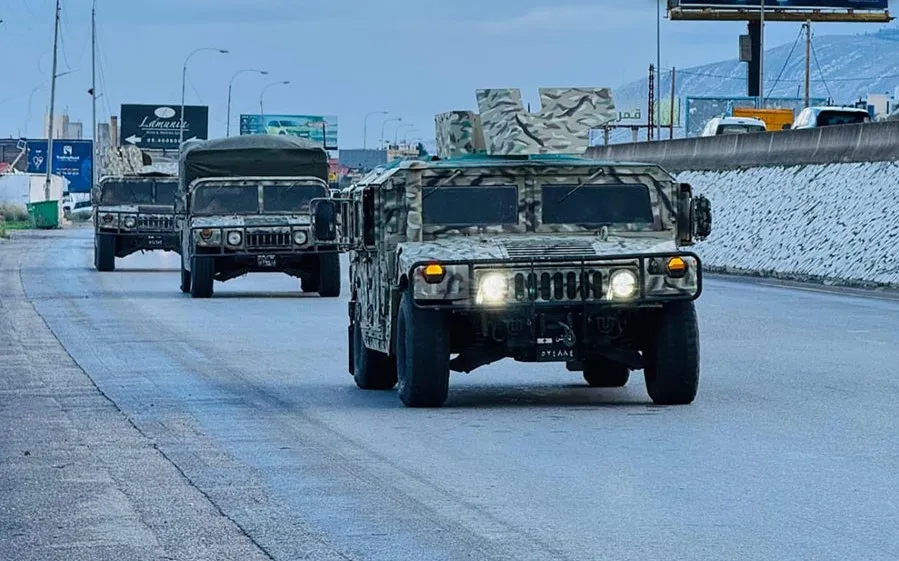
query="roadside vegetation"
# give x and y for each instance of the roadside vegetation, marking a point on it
(13, 217)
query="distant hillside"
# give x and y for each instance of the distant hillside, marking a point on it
(851, 66)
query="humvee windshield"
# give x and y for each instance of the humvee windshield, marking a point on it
(138, 192)
(244, 199)
(470, 206)
(596, 204)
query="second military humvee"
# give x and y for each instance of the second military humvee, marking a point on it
(254, 204)
(507, 246)
(133, 213)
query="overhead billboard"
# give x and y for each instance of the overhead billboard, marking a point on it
(158, 127)
(317, 128)
(783, 4)
(72, 159)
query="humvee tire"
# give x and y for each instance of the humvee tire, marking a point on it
(671, 356)
(185, 278)
(104, 252)
(422, 355)
(371, 370)
(329, 275)
(202, 273)
(606, 374)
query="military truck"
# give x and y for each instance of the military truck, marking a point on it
(508, 244)
(257, 204)
(133, 213)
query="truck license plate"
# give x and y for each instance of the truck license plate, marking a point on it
(266, 260)
(550, 350)
(154, 241)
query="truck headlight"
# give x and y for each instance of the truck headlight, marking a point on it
(130, 222)
(300, 237)
(492, 289)
(234, 238)
(622, 285)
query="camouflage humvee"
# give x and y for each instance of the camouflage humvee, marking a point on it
(509, 248)
(257, 204)
(133, 213)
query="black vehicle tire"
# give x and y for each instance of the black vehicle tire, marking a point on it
(372, 370)
(310, 282)
(329, 275)
(202, 273)
(185, 278)
(422, 355)
(606, 374)
(104, 252)
(671, 356)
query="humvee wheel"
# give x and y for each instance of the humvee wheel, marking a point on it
(329, 275)
(104, 252)
(671, 356)
(185, 278)
(422, 355)
(605, 374)
(371, 370)
(202, 271)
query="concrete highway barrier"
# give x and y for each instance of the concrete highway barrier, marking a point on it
(869, 142)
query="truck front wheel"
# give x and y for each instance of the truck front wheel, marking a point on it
(422, 354)
(202, 276)
(329, 275)
(671, 355)
(104, 252)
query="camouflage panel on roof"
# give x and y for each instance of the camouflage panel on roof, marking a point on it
(459, 133)
(562, 126)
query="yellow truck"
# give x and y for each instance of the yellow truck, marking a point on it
(775, 119)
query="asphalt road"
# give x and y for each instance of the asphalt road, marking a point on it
(229, 429)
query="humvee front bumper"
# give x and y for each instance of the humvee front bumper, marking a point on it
(130, 241)
(556, 283)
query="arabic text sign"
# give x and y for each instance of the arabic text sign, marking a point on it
(783, 4)
(72, 159)
(635, 113)
(317, 128)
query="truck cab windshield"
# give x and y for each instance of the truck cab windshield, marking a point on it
(244, 199)
(138, 192)
(465, 207)
(596, 205)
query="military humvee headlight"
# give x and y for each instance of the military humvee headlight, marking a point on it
(492, 289)
(300, 237)
(205, 233)
(433, 273)
(622, 285)
(130, 222)
(234, 238)
(107, 218)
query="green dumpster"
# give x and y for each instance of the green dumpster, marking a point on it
(44, 214)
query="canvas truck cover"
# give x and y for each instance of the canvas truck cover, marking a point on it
(253, 155)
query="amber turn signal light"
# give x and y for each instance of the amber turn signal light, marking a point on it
(677, 267)
(434, 273)
(206, 234)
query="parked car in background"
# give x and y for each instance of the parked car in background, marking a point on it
(733, 125)
(813, 117)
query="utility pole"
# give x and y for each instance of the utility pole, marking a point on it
(659, 64)
(808, 61)
(52, 103)
(762, 55)
(94, 135)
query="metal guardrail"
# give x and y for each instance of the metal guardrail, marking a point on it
(857, 143)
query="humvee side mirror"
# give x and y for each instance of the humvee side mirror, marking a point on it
(324, 219)
(180, 203)
(702, 217)
(685, 213)
(95, 195)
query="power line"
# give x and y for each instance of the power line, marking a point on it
(820, 73)
(787, 61)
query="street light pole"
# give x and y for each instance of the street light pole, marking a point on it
(658, 104)
(230, 84)
(365, 127)
(396, 131)
(384, 124)
(52, 104)
(184, 88)
(262, 94)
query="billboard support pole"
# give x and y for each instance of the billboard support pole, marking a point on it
(671, 122)
(762, 54)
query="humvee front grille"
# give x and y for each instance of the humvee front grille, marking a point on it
(155, 223)
(568, 248)
(268, 239)
(557, 286)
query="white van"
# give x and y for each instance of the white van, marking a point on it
(733, 125)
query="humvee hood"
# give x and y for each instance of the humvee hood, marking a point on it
(512, 249)
(134, 209)
(249, 221)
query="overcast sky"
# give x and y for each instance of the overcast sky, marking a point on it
(413, 58)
